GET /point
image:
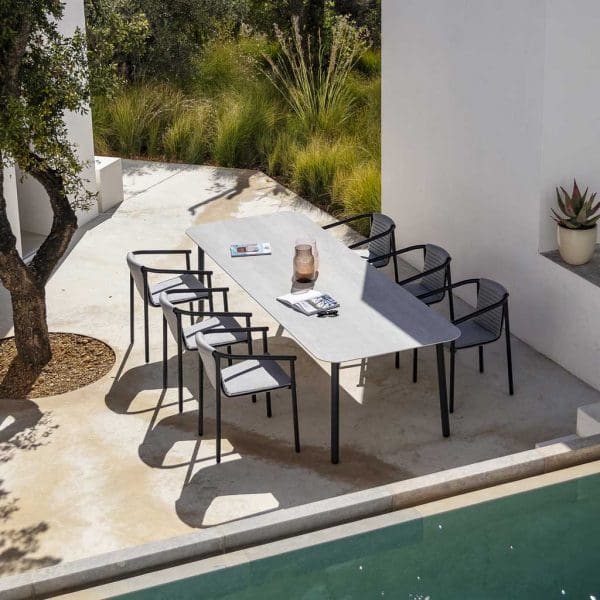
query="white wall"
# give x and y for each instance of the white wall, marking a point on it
(12, 206)
(36, 213)
(482, 116)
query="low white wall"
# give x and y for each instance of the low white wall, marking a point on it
(482, 116)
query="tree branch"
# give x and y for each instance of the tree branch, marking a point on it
(13, 270)
(64, 223)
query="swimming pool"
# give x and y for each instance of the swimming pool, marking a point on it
(540, 544)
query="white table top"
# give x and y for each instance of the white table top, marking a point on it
(376, 315)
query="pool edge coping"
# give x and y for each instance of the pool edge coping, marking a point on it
(280, 525)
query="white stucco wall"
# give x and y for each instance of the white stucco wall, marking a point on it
(36, 214)
(12, 206)
(487, 105)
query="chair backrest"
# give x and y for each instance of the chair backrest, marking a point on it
(489, 293)
(168, 309)
(206, 355)
(135, 268)
(381, 223)
(434, 257)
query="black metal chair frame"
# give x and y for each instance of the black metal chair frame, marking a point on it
(147, 270)
(390, 232)
(220, 390)
(447, 282)
(504, 326)
(179, 313)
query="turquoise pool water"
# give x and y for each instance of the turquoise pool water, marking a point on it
(542, 544)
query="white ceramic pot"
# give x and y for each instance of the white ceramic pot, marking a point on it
(576, 246)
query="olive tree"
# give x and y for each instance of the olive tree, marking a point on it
(43, 75)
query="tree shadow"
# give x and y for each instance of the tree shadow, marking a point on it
(23, 427)
(241, 182)
(18, 380)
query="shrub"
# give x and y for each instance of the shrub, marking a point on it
(359, 191)
(245, 128)
(317, 165)
(316, 89)
(369, 62)
(228, 64)
(189, 137)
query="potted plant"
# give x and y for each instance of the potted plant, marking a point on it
(577, 227)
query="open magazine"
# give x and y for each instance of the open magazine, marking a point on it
(309, 302)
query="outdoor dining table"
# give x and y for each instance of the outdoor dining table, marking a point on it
(376, 316)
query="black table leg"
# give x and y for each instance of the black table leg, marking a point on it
(441, 366)
(335, 413)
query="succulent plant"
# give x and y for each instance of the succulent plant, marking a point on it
(578, 210)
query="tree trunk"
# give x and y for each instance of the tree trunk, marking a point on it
(31, 329)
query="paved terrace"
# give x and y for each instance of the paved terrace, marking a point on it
(114, 465)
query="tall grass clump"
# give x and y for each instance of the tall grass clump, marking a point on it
(313, 82)
(359, 191)
(189, 137)
(138, 117)
(245, 129)
(317, 165)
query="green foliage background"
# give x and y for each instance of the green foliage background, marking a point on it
(189, 81)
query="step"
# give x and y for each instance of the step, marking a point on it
(588, 420)
(561, 440)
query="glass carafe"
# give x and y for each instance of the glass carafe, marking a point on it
(304, 263)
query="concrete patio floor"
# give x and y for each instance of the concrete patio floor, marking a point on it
(114, 464)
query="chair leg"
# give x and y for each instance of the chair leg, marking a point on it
(295, 415)
(229, 361)
(452, 371)
(415, 364)
(218, 438)
(165, 367)
(131, 309)
(269, 412)
(511, 387)
(200, 396)
(397, 360)
(146, 332)
(180, 374)
(481, 359)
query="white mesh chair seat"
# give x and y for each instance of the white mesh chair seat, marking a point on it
(184, 281)
(472, 334)
(250, 376)
(417, 289)
(210, 328)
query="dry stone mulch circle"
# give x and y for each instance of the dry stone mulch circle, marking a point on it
(77, 360)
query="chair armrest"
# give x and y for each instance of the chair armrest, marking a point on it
(480, 311)
(424, 274)
(177, 271)
(347, 220)
(136, 252)
(370, 239)
(275, 357)
(242, 329)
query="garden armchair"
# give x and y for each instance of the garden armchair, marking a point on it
(150, 292)
(380, 243)
(220, 328)
(482, 326)
(435, 277)
(247, 375)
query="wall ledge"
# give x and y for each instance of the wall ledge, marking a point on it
(590, 271)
